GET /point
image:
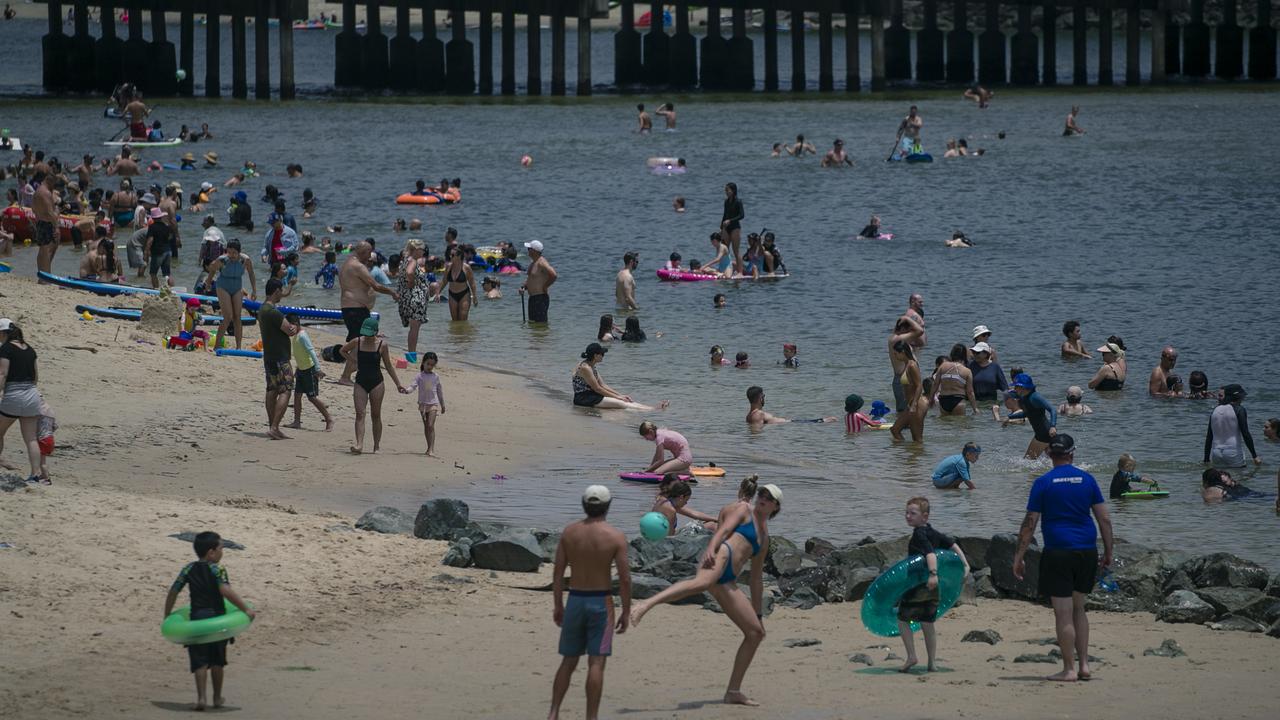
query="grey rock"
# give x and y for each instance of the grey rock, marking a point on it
(438, 518)
(1177, 580)
(1274, 588)
(1184, 606)
(10, 482)
(1000, 560)
(857, 556)
(975, 550)
(777, 544)
(1237, 624)
(451, 579)
(787, 561)
(1274, 630)
(475, 532)
(1140, 576)
(677, 570)
(968, 592)
(688, 547)
(547, 540)
(866, 540)
(189, 536)
(893, 550)
(1225, 570)
(646, 586)
(891, 656)
(983, 587)
(1169, 648)
(1232, 600)
(646, 554)
(803, 599)
(1042, 641)
(388, 520)
(861, 658)
(801, 642)
(850, 583)
(996, 658)
(513, 551)
(818, 547)
(990, 637)
(459, 554)
(816, 579)
(1104, 601)
(1037, 658)
(1268, 611)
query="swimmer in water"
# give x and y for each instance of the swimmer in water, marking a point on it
(801, 147)
(757, 417)
(719, 301)
(872, 230)
(1073, 407)
(1217, 485)
(1073, 346)
(667, 112)
(1071, 127)
(836, 156)
(980, 95)
(646, 122)
(959, 240)
(717, 356)
(777, 150)
(678, 204)
(742, 361)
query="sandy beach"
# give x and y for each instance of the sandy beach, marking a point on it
(154, 443)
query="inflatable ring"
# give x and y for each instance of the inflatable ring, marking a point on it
(181, 629)
(880, 605)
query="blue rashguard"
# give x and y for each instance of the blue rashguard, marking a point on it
(987, 381)
(952, 471)
(1034, 409)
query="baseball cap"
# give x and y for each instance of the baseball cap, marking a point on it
(5, 324)
(594, 349)
(774, 491)
(595, 494)
(206, 185)
(534, 245)
(981, 330)
(1023, 380)
(369, 327)
(1061, 444)
(981, 347)
(1233, 392)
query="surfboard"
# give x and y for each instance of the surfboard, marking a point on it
(136, 315)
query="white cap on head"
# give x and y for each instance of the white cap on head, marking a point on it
(5, 324)
(206, 185)
(535, 245)
(980, 330)
(981, 347)
(596, 494)
(774, 491)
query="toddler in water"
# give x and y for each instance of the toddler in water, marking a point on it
(878, 410)
(430, 399)
(329, 271)
(855, 421)
(920, 604)
(741, 361)
(1120, 482)
(1073, 407)
(789, 356)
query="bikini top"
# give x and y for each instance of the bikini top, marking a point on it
(748, 531)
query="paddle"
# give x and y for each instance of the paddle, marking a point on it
(901, 129)
(524, 319)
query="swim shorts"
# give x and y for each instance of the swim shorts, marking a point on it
(920, 604)
(160, 264)
(429, 411)
(538, 305)
(45, 234)
(587, 627)
(899, 395)
(305, 383)
(587, 398)
(353, 318)
(1063, 572)
(279, 376)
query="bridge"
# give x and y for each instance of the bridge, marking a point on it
(663, 57)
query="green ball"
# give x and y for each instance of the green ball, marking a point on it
(182, 74)
(654, 526)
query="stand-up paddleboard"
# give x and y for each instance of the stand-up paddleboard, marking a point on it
(310, 313)
(651, 477)
(136, 315)
(14, 144)
(144, 143)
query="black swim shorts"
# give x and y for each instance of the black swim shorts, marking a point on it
(353, 318)
(45, 234)
(1063, 572)
(538, 305)
(208, 655)
(920, 604)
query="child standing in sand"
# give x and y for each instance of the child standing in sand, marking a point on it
(208, 583)
(308, 376)
(430, 398)
(921, 603)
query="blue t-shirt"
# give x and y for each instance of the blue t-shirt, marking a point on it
(987, 381)
(952, 468)
(1064, 497)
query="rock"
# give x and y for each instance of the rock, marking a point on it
(815, 579)
(1238, 624)
(893, 550)
(1177, 580)
(787, 561)
(646, 554)
(1036, 658)
(1184, 606)
(451, 579)
(388, 520)
(1104, 601)
(776, 543)
(866, 540)
(861, 658)
(688, 548)
(9, 482)
(547, 540)
(1000, 560)
(437, 519)
(996, 658)
(1140, 576)
(975, 550)
(1274, 588)
(801, 642)
(1169, 648)
(983, 587)
(851, 583)
(1268, 611)
(189, 536)
(1232, 600)
(803, 599)
(819, 547)
(1274, 630)
(857, 556)
(646, 586)
(1225, 570)
(459, 554)
(513, 551)
(676, 570)
(990, 637)
(968, 592)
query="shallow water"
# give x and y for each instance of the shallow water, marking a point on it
(1157, 226)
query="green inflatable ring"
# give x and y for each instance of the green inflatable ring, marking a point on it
(880, 605)
(180, 628)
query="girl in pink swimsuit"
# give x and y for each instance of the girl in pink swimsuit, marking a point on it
(667, 440)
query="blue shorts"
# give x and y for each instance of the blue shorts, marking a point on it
(587, 627)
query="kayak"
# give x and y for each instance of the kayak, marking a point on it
(1145, 495)
(136, 315)
(21, 223)
(651, 477)
(143, 143)
(712, 471)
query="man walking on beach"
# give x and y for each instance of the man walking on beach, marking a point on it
(276, 352)
(46, 212)
(624, 288)
(589, 548)
(1064, 498)
(541, 277)
(357, 286)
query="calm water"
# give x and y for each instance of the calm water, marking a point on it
(1158, 226)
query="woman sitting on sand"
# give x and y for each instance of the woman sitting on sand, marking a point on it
(590, 391)
(742, 536)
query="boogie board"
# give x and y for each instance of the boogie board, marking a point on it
(651, 477)
(1145, 494)
(136, 315)
(712, 471)
(144, 143)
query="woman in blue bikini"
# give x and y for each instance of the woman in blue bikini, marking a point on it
(742, 536)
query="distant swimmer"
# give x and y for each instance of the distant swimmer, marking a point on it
(836, 157)
(668, 112)
(646, 122)
(757, 417)
(1073, 346)
(801, 147)
(959, 240)
(1158, 384)
(911, 124)
(624, 286)
(872, 230)
(1072, 128)
(980, 95)
(1073, 407)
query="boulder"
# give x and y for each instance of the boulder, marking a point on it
(1169, 648)
(388, 520)
(547, 540)
(893, 550)
(688, 547)
(1274, 588)
(1274, 630)
(856, 556)
(815, 579)
(1238, 624)
(819, 547)
(1177, 580)
(189, 536)
(803, 599)
(1233, 600)
(1268, 611)
(1000, 560)
(850, 583)
(990, 637)
(1225, 570)
(673, 570)
(801, 642)
(866, 540)
(983, 587)
(1103, 601)
(1184, 606)
(861, 658)
(437, 519)
(975, 550)
(646, 586)
(458, 554)
(1141, 580)
(776, 543)
(513, 551)
(1036, 658)
(646, 554)
(787, 561)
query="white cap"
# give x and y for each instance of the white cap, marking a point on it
(595, 494)
(206, 185)
(537, 245)
(981, 330)
(5, 324)
(981, 347)
(774, 491)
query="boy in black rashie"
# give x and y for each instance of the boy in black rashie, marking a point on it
(208, 584)
(920, 604)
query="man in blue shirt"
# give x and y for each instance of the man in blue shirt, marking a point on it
(1064, 497)
(954, 469)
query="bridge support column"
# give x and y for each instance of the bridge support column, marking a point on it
(239, 55)
(535, 50)
(1049, 43)
(992, 49)
(627, 67)
(826, 74)
(486, 52)
(212, 52)
(929, 63)
(960, 46)
(79, 51)
(1195, 43)
(584, 44)
(897, 46)
(347, 49)
(404, 52)
(1026, 46)
(1106, 51)
(1158, 75)
(771, 46)
(715, 52)
(288, 90)
(1262, 45)
(741, 71)
(1229, 62)
(1079, 46)
(261, 53)
(877, 46)
(852, 58)
(557, 54)
(431, 52)
(53, 49)
(1132, 43)
(508, 48)
(460, 61)
(684, 51)
(108, 53)
(187, 49)
(373, 58)
(656, 50)
(137, 53)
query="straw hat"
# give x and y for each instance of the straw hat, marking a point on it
(211, 158)
(189, 157)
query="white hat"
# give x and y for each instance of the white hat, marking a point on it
(595, 494)
(981, 347)
(206, 185)
(148, 199)
(774, 491)
(981, 330)
(535, 245)
(5, 324)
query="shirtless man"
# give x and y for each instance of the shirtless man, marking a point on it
(911, 125)
(358, 286)
(84, 172)
(835, 157)
(624, 288)
(46, 233)
(1072, 128)
(911, 331)
(646, 122)
(135, 114)
(801, 147)
(668, 113)
(172, 200)
(589, 548)
(915, 311)
(124, 166)
(1158, 384)
(980, 95)
(541, 277)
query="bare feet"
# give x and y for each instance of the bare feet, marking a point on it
(431, 454)
(198, 707)
(637, 612)
(328, 425)
(275, 434)
(295, 425)
(737, 697)
(932, 668)
(1084, 673)
(346, 381)
(908, 664)
(356, 450)
(218, 701)
(375, 447)
(1064, 676)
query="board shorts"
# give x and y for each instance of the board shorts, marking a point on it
(160, 264)
(538, 305)
(587, 627)
(279, 375)
(353, 318)
(305, 383)
(920, 604)
(45, 234)
(1063, 572)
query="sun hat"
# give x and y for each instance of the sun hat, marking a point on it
(980, 330)
(981, 347)
(148, 199)
(211, 158)
(596, 495)
(369, 327)
(156, 213)
(189, 157)
(852, 402)
(1023, 380)
(1109, 348)
(879, 409)
(534, 245)
(774, 491)
(240, 196)
(5, 324)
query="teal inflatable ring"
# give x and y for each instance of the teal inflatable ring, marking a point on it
(880, 605)
(180, 628)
